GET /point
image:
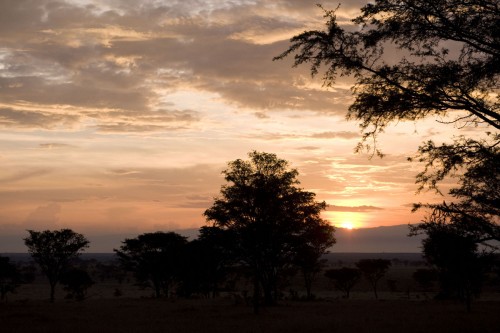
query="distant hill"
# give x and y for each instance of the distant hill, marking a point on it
(392, 239)
(380, 239)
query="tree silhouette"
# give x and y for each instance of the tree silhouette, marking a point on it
(476, 208)
(53, 251)
(425, 278)
(344, 278)
(207, 260)
(427, 79)
(76, 282)
(267, 214)
(154, 258)
(460, 265)
(9, 277)
(313, 243)
(448, 66)
(373, 270)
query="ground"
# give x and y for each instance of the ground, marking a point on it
(224, 315)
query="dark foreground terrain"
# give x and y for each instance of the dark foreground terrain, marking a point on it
(224, 315)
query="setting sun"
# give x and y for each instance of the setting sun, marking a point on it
(347, 225)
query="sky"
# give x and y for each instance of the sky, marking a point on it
(118, 116)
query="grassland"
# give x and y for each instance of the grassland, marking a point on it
(223, 315)
(402, 309)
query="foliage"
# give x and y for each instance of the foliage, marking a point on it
(373, 270)
(476, 209)
(53, 251)
(312, 244)
(269, 217)
(425, 278)
(447, 67)
(154, 258)
(344, 278)
(428, 78)
(461, 266)
(9, 277)
(76, 282)
(206, 262)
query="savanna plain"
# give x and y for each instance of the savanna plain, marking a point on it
(120, 306)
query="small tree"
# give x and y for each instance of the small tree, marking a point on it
(313, 244)
(373, 270)
(76, 282)
(9, 277)
(206, 262)
(425, 278)
(53, 250)
(461, 266)
(154, 258)
(344, 279)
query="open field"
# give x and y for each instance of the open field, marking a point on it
(223, 315)
(402, 308)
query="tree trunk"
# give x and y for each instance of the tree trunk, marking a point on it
(256, 293)
(375, 290)
(308, 285)
(52, 292)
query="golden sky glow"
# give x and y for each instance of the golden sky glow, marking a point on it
(120, 115)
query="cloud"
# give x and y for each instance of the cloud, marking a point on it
(119, 56)
(357, 209)
(44, 217)
(344, 135)
(335, 135)
(55, 145)
(33, 119)
(25, 174)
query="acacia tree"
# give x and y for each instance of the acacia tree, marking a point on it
(344, 278)
(76, 281)
(206, 261)
(459, 263)
(373, 270)
(268, 216)
(313, 243)
(154, 258)
(53, 251)
(9, 277)
(449, 66)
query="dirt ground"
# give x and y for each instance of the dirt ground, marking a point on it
(225, 315)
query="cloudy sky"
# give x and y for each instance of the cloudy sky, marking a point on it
(119, 115)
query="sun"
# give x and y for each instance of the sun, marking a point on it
(347, 225)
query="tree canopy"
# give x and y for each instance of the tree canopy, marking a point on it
(449, 62)
(373, 270)
(447, 66)
(53, 251)
(270, 217)
(154, 258)
(460, 263)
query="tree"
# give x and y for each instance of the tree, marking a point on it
(53, 251)
(460, 265)
(76, 282)
(9, 277)
(449, 67)
(373, 270)
(154, 258)
(314, 242)
(425, 278)
(268, 216)
(476, 208)
(207, 261)
(344, 278)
